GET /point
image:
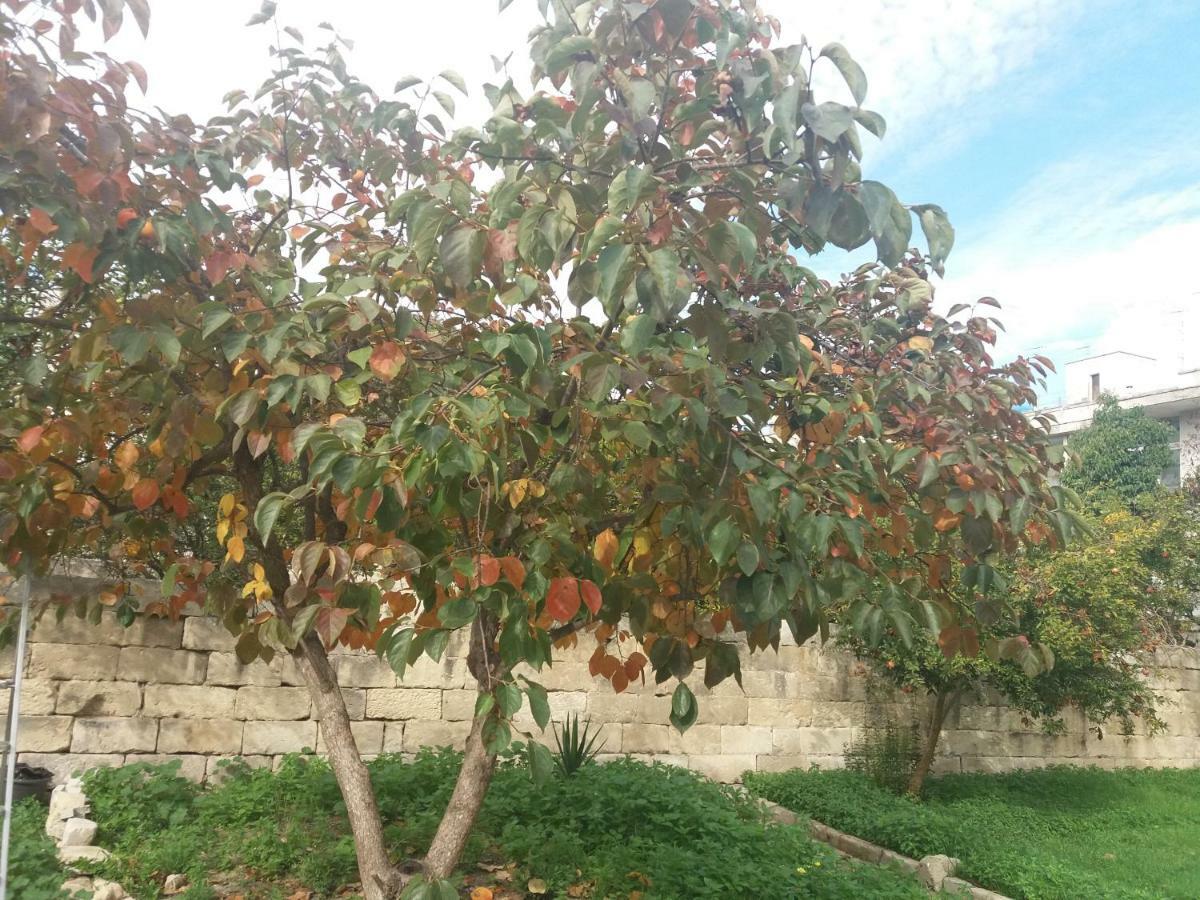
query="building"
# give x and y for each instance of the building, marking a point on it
(1166, 390)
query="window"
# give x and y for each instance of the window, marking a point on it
(1095, 386)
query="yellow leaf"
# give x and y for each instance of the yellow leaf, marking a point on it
(536, 488)
(259, 574)
(642, 542)
(920, 342)
(605, 549)
(235, 549)
(222, 531)
(225, 507)
(516, 491)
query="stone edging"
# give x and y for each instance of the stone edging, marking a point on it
(935, 872)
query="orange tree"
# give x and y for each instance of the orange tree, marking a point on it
(558, 376)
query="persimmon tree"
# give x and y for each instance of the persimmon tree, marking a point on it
(557, 377)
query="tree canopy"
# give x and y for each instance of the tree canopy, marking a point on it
(562, 374)
(1121, 455)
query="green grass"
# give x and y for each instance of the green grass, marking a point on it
(1047, 834)
(615, 829)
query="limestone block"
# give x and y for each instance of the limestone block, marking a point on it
(204, 633)
(833, 714)
(355, 700)
(273, 703)
(367, 735)
(722, 711)
(144, 631)
(605, 706)
(191, 765)
(66, 803)
(200, 736)
(393, 737)
(746, 739)
(936, 868)
(813, 741)
(78, 832)
(216, 768)
(418, 734)
(279, 737)
(99, 698)
(68, 662)
(855, 846)
(404, 703)
(639, 737)
(779, 712)
(459, 705)
(44, 734)
(174, 884)
(726, 768)
(114, 735)
(364, 672)
(699, 740)
(224, 668)
(64, 765)
(187, 701)
(159, 666)
(38, 696)
(90, 854)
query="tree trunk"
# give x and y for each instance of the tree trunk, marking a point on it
(942, 704)
(380, 879)
(479, 764)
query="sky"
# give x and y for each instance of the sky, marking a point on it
(1059, 135)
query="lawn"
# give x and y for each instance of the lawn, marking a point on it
(622, 829)
(1047, 834)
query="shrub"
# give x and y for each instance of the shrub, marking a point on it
(34, 872)
(886, 754)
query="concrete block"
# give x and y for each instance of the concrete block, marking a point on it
(200, 736)
(187, 701)
(66, 662)
(99, 698)
(273, 703)
(404, 703)
(114, 735)
(279, 737)
(44, 734)
(159, 666)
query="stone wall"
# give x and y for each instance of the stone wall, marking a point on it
(106, 695)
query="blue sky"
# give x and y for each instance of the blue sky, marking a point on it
(1060, 135)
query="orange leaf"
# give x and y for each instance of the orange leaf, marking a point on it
(127, 454)
(386, 360)
(41, 221)
(145, 493)
(563, 598)
(945, 520)
(81, 257)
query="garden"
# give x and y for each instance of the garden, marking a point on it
(621, 829)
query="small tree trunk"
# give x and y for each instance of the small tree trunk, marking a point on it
(380, 879)
(942, 704)
(479, 764)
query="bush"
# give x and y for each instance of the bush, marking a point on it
(34, 872)
(886, 754)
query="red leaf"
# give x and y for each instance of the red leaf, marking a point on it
(591, 596)
(30, 438)
(386, 360)
(145, 493)
(563, 598)
(258, 442)
(331, 622)
(81, 257)
(40, 219)
(216, 266)
(489, 571)
(513, 570)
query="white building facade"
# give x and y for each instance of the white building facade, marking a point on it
(1168, 390)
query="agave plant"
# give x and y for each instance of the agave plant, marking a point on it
(576, 746)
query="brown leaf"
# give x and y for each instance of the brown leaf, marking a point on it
(145, 493)
(605, 549)
(386, 360)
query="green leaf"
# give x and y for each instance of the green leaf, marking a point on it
(626, 190)
(638, 434)
(929, 472)
(462, 255)
(214, 319)
(405, 83)
(168, 580)
(455, 79)
(829, 121)
(267, 512)
(722, 538)
(683, 707)
(856, 79)
(564, 52)
(939, 233)
(747, 558)
(637, 334)
(903, 458)
(508, 698)
(541, 763)
(615, 270)
(242, 407)
(539, 703)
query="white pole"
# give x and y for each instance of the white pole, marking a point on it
(14, 719)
